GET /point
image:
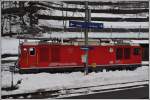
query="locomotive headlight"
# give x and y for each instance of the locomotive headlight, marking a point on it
(111, 62)
(111, 50)
(24, 49)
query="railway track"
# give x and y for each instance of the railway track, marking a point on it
(41, 94)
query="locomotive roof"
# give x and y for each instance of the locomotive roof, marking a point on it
(102, 44)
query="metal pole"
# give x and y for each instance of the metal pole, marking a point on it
(12, 77)
(111, 32)
(89, 18)
(86, 36)
(139, 31)
(10, 25)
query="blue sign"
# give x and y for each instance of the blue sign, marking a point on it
(86, 25)
(95, 25)
(76, 24)
(86, 47)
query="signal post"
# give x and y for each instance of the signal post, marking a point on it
(86, 25)
(86, 36)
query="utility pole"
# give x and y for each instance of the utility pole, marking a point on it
(12, 76)
(86, 36)
(10, 32)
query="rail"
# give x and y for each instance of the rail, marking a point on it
(56, 93)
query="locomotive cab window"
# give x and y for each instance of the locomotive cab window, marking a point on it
(32, 51)
(136, 51)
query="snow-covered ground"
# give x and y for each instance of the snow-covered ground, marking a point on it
(10, 58)
(47, 81)
(9, 45)
(82, 14)
(97, 35)
(123, 24)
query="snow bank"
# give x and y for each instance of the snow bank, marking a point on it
(10, 58)
(141, 42)
(9, 45)
(47, 81)
(82, 14)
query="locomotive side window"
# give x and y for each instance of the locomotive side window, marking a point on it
(32, 51)
(119, 53)
(127, 53)
(136, 51)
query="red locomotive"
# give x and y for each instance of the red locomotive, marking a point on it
(56, 56)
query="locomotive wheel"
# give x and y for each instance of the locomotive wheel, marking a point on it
(119, 68)
(107, 70)
(133, 68)
(101, 70)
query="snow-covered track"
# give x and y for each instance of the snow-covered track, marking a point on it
(8, 61)
(40, 94)
(145, 64)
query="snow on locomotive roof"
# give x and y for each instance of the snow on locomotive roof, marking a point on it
(140, 41)
(81, 43)
(37, 43)
(30, 43)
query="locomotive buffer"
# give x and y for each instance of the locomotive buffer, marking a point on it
(86, 25)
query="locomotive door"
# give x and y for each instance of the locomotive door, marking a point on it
(24, 54)
(32, 61)
(119, 55)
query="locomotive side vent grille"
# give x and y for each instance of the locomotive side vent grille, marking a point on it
(43, 54)
(55, 54)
